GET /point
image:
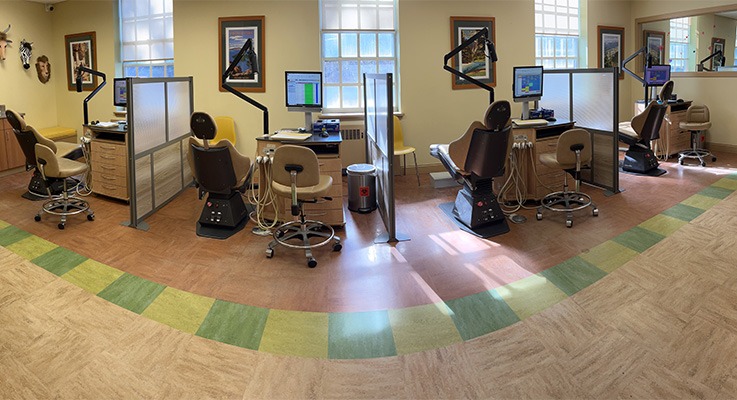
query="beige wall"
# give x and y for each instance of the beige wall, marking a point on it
(20, 88)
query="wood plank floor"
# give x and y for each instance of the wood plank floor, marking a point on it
(663, 325)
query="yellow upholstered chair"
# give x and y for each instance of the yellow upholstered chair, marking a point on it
(226, 129)
(401, 150)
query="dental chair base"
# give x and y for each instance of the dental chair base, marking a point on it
(639, 159)
(479, 208)
(222, 216)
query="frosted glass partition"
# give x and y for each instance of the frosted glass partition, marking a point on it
(158, 131)
(590, 98)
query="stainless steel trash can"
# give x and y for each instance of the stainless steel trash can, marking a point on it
(361, 187)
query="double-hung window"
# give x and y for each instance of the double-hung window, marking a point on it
(147, 38)
(556, 33)
(679, 34)
(357, 37)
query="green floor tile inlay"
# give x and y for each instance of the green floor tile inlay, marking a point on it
(31, 247)
(481, 313)
(684, 212)
(11, 234)
(296, 333)
(179, 309)
(572, 275)
(702, 202)
(92, 276)
(608, 256)
(724, 183)
(237, 324)
(365, 334)
(423, 328)
(716, 192)
(663, 224)
(131, 292)
(639, 239)
(59, 261)
(3, 224)
(531, 295)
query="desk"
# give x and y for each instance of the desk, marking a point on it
(328, 154)
(109, 160)
(672, 138)
(11, 155)
(544, 139)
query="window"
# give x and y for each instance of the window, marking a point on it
(357, 37)
(679, 29)
(556, 33)
(147, 38)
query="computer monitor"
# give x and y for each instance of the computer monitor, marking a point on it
(304, 93)
(527, 86)
(120, 92)
(657, 75)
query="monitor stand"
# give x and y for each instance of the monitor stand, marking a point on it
(308, 121)
(526, 109)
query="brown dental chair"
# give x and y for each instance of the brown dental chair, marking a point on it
(641, 130)
(27, 137)
(223, 173)
(474, 160)
(296, 175)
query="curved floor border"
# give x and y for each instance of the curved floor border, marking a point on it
(353, 335)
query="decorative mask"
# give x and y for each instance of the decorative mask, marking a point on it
(25, 53)
(43, 68)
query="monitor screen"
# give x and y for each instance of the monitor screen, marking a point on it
(120, 92)
(657, 75)
(304, 89)
(527, 84)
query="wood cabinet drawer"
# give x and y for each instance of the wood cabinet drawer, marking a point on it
(110, 159)
(109, 147)
(330, 164)
(109, 189)
(110, 169)
(109, 179)
(546, 146)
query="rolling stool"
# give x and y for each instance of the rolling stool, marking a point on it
(697, 121)
(574, 151)
(52, 166)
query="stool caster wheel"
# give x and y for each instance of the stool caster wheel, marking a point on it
(61, 225)
(37, 218)
(595, 212)
(269, 253)
(703, 163)
(337, 247)
(569, 223)
(713, 159)
(90, 217)
(539, 216)
(311, 262)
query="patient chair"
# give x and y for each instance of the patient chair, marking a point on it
(296, 175)
(474, 160)
(642, 129)
(223, 173)
(697, 121)
(51, 166)
(27, 138)
(572, 154)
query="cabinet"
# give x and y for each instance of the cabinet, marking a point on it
(11, 155)
(328, 154)
(109, 161)
(672, 138)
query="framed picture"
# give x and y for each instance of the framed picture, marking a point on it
(716, 45)
(234, 32)
(472, 60)
(81, 51)
(611, 47)
(655, 43)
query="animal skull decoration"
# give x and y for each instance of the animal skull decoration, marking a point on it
(4, 41)
(25, 53)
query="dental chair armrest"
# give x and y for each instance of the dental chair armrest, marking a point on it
(440, 151)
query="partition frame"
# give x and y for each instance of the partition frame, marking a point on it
(136, 220)
(613, 134)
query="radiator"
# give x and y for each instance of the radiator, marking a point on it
(353, 148)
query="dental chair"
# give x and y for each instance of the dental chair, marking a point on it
(296, 175)
(27, 138)
(641, 130)
(224, 174)
(474, 160)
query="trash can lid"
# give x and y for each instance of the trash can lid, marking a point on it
(361, 169)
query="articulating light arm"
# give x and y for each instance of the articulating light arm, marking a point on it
(247, 51)
(81, 69)
(490, 53)
(719, 57)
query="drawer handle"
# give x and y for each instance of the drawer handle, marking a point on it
(108, 167)
(107, 157)
(106, 147)
(109, 187)
(109, 178)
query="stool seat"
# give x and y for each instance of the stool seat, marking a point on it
(694, 126)
(305, 192)
(68, 168)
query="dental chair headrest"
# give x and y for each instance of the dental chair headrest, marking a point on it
(666, 91)
(497, 115)
(203, 125)
(16, 121)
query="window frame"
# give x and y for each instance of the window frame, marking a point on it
(557, 47)
(166, 64)
(679, 64)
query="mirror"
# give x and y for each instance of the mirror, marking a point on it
(689, 43)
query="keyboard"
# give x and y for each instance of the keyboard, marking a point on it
(529, 122)
(290, 135)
